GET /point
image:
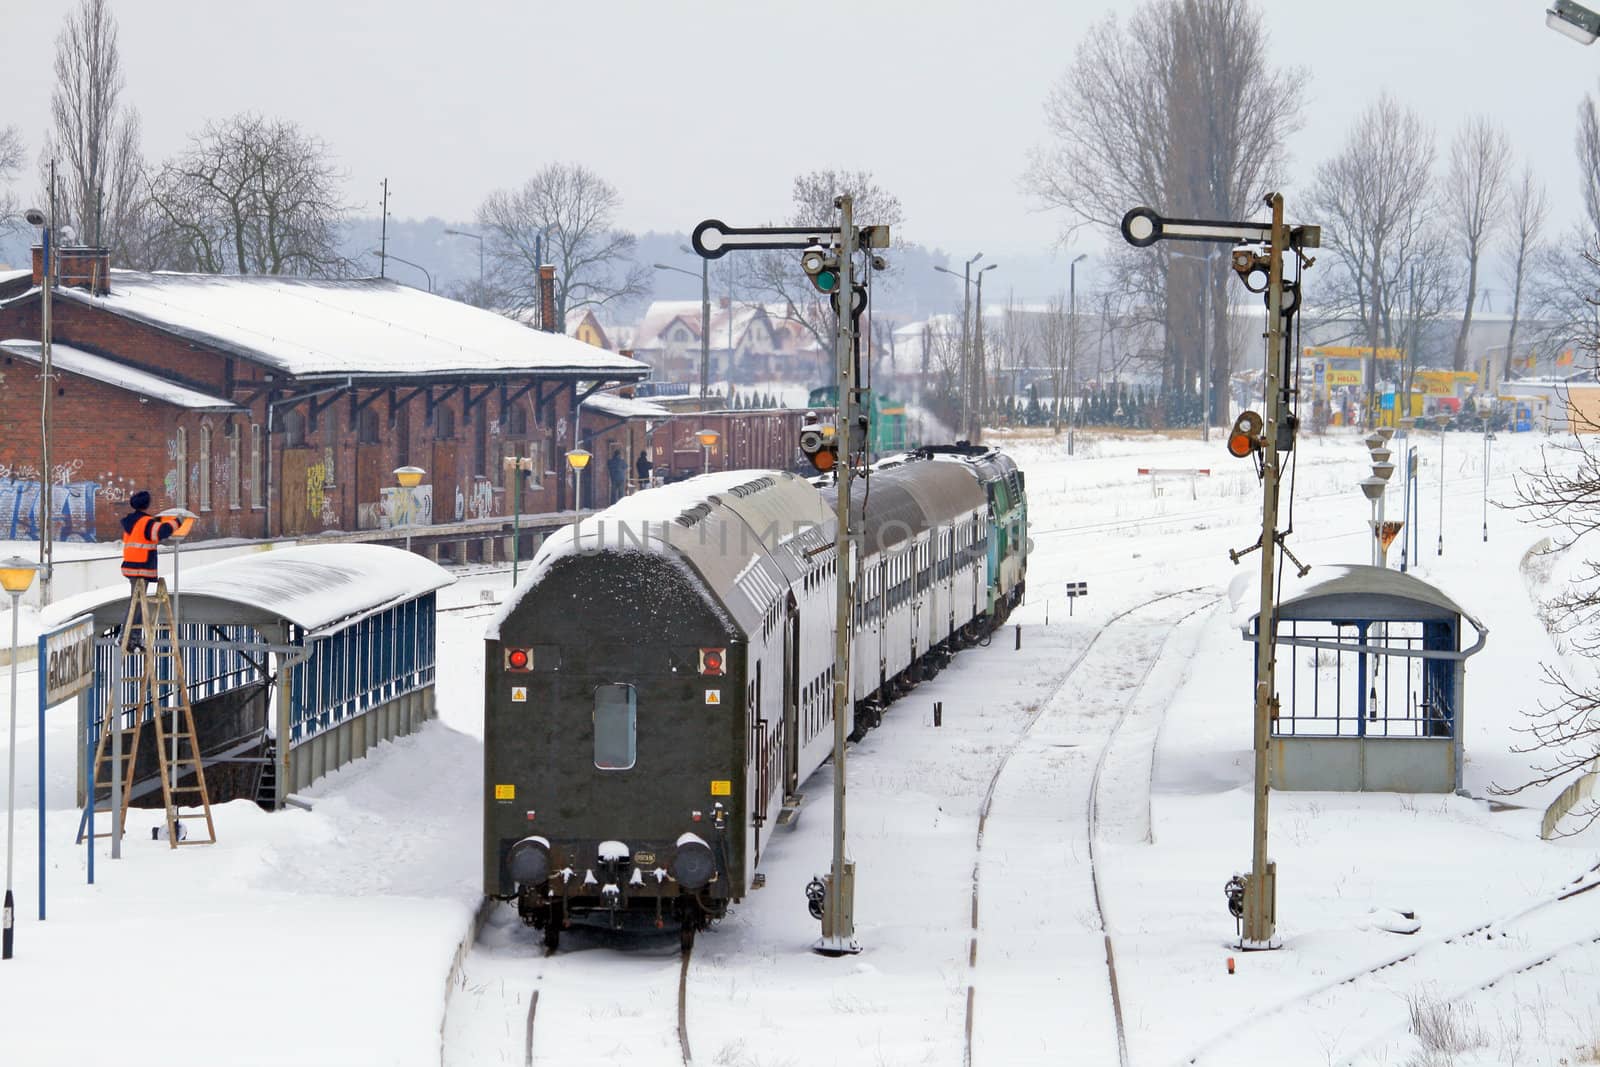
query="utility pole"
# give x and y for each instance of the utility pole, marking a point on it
(46, 502)
(705, 333)
(383, 231)
(838, 927)
(980, 373)
(1254, 899)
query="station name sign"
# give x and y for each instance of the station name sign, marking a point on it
(68, 660)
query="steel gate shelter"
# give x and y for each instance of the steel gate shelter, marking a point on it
(307, 656)
(1372, 678)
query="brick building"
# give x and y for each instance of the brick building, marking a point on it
(279, 406)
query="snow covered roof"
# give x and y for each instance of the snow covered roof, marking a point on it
(366, 326)
(320, 588)
(624, 407)
(76, 361)
(661, 314)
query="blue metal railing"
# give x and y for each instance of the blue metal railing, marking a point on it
(362, 666)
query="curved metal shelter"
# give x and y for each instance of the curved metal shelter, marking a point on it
(310, 655)
(1375, 678)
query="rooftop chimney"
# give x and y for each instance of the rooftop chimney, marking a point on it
(547, 299)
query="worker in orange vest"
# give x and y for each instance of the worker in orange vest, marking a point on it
(142, 534)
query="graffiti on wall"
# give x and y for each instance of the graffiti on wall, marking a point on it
(319, 479)
(481, 505)
(399, 506)
(71, 510)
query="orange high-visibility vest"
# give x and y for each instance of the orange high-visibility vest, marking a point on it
(139, 548)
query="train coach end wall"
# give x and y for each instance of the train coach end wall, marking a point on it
(354, 738)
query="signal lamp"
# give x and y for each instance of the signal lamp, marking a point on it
(1245, 437)
(518, 659)
(820, 446)
(821, 267)
(712, 660)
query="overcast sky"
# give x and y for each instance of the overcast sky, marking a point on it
(697, 109)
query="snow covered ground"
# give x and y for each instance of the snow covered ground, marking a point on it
(327, 936)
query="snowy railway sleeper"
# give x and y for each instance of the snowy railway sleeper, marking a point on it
(661, 681)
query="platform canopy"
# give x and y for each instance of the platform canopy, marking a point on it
(1357, 591)
(319, 588)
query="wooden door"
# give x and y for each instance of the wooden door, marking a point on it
(295, 494)
(446, 484)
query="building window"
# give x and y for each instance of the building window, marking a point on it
(258, 489)
(205, 468)
(294, 430)
(444, 424)
(615, 726)
(517, 421)
(235, 475)
(180, 485)
(367, 426)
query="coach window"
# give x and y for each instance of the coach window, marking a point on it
(615, 726)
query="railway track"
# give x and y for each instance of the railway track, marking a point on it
(1128, 695)
(1485, 954)
(603, 997)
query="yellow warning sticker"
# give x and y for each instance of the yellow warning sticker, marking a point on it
(713, 696)
(519, 694)
(505, 792)
(721, 787)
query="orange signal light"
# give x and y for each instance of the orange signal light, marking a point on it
(823, 460)
(1245, 437)
(518, 659)
(712, 660)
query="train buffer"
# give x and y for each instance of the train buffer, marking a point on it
(1156, 474)
(789, 814)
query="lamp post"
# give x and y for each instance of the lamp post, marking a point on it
(1072, 341)
(577, 459)
(519, 466)
(1205, 341)
(1443, 419)
(1486, 412)
(980, 372)
(46, 225)
(966, 313)
(409, 478)
(407, 262)
(16, 574)
(705, 323)
(707, 439)
(479, 239)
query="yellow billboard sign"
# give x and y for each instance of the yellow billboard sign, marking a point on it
(1336, 377)
(1350, 352)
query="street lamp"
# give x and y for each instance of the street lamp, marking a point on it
(409, 478)
(980, 372)
(46, 227)
(407, 262)
(477, 238)
(577, 459)
(966, 310)
(16, 574)
(705, 323)
(707, 439)
(1573, 20)
(1205, 342)
(1443, 419)
(1072, 341)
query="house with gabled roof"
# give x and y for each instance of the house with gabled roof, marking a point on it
(276, 406)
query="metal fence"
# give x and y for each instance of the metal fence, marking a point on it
(215, 660)
(1377, 683)
(362, 666)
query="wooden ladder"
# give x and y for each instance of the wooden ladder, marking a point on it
(163, 687)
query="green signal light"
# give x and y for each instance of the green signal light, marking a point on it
(827, 281)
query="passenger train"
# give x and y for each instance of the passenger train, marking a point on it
(661, 681)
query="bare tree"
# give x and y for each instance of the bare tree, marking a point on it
(776, 276)
(566, 214)
(1179, 108)
(1054, 330)
(1374, 201)
(1474, 199)
(1588, 144)
(93, 138)
(250, 195)
(1528, 208)
(12, 154)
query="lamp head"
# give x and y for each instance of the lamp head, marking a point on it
(185, 519)
(34, 216)
(578, 459)
(707, 437)
(1373, 487)
(1573, 20)
(409, 477)
(16, 574)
